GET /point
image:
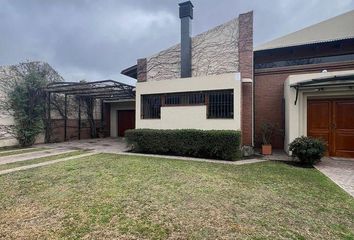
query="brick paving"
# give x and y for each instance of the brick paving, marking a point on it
(340, 171)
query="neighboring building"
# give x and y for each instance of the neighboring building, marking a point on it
(299, 82)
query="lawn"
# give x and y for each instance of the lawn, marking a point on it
(109, 196)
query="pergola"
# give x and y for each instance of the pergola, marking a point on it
(331, 81)
(105, 91)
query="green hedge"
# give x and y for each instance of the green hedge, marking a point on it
(215, 144)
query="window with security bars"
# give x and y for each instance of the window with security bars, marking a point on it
(151, 106)
(185, 98)
(219, 103)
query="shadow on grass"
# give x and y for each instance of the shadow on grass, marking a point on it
(297, 164)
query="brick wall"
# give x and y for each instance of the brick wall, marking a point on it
(72, 132)
(245, 48)
(141, 70)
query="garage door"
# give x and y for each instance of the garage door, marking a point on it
(333, 121)
(126, 120)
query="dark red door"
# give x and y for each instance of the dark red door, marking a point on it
(126, 120)
(333, 121)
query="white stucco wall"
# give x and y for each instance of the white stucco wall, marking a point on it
(296, 115)
(193, 117)
(115, 106)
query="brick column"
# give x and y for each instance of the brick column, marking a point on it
(245, 49)
(141, 70)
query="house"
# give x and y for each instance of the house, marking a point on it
(205, 82)
(302, 82)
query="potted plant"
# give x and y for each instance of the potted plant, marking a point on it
(267, 134)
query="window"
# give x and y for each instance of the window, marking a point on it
(185, 98)
(151, 106)
(305, 61)
(220, 103)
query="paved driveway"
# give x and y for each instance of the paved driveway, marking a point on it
(340, 171)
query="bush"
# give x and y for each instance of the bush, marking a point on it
(308, 150)
(216, 144)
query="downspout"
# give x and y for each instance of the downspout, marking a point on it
(297, 94)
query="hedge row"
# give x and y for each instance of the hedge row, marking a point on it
(215, 144)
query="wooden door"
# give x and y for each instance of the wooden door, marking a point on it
(125, 121)
(333, 121)
(319, 121)
(343, 128)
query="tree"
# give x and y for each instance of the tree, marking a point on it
(16, 79)
(27, 101)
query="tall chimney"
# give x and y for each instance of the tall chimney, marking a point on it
(186, 14)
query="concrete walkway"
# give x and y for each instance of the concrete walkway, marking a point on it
(339, 171)
(45, 163)
(106, 145)
(33, 155)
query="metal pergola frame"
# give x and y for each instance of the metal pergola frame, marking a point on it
(104, 90)
(332, 81)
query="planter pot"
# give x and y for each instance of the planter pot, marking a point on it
(267, 149)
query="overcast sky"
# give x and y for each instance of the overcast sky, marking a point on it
(95, 40)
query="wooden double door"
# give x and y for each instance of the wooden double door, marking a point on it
(333, 121)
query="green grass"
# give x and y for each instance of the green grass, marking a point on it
(42, 159)
(109, 196)
(15, 151)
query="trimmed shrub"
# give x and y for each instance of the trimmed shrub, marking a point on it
(308, 150)
(215, 144)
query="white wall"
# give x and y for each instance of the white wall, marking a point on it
(7, 139)
(194, 117)
(115, 106)
(296, 115)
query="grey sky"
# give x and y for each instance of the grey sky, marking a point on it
(94, 40)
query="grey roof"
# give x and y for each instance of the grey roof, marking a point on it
(336, 28)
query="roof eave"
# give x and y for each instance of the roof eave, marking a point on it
(131, 71)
